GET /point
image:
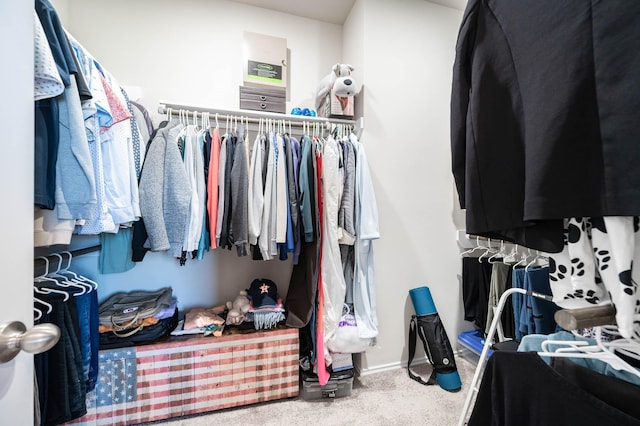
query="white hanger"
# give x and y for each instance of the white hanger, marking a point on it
(472, 249)
(581, 349)
(537, 257)
(66, 281)
(524, 259)
(38, 314)
(488, 249)
(44, 278)
(500, 252)
(82, 279)
(43, 303)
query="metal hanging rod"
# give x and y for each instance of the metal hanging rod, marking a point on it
(256, 116)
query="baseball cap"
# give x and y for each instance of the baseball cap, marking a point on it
(263, 292)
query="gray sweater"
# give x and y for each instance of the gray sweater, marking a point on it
(164, 193)
(238, 232)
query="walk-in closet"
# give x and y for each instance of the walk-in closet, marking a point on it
(346, 212)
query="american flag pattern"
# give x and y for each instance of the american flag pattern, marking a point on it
(192, 375)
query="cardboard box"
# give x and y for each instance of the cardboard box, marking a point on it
(341, 361)
(337, 107)
(265, 60)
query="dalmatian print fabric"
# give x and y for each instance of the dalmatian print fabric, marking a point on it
(595, 268)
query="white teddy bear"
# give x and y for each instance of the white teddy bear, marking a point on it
(238, 308)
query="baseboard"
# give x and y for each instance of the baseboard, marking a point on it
(393, 365)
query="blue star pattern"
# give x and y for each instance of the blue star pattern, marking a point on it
(116, 378)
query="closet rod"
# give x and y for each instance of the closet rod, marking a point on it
(574, 319)
(53, 259)
(255, 116)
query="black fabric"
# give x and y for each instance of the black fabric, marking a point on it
(413, 332)
(306, 347)
(519, 388)
(544, 114)
(303, 285)
(46, 152)
(149, 334)
(476, 283)
(61, 386)
(615, 392)
(225, 242)
(436, 346)
(507, 317)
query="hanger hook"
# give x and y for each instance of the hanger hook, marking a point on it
(46, 265)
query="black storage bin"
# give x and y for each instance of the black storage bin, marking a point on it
(339, 385)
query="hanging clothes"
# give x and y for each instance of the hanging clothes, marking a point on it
(366, 225)
(266, 229)
(333, 284)
(566, 147)
(239, 185)
(212, 186)
(256, 189)
(222, 189)
(165, 192)
(596, 268)
(302, 290)
(566, 393)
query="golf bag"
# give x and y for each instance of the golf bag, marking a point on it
(426, 323)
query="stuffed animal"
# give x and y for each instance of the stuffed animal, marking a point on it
(339, 81)
(238, 308)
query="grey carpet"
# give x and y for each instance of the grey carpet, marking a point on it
(384, 398)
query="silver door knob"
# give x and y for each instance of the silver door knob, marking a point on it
(14, 337)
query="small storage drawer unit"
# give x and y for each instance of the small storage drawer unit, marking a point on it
(259, 99)
(193, 375)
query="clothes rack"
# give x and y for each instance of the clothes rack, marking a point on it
(484, 356)
(53, 259)
(569, 319)
(256, 116)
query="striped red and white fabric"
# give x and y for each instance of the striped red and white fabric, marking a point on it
(178, 378)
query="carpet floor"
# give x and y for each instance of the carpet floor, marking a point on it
(381, 398)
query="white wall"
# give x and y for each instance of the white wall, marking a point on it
(405, 50)
(190, 51)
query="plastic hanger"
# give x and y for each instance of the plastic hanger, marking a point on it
(472, 249)
(66, 282)
(81, 278)
(43, 303)
(511, 256)
(488, 249)
(628, 347)
(499, 255)
(524, 259)
(536, 258)
(581, 349)
(38, 314)
(43, 278)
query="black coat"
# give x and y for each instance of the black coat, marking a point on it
(545, 115)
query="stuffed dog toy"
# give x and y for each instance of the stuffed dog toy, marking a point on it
(338, 81)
